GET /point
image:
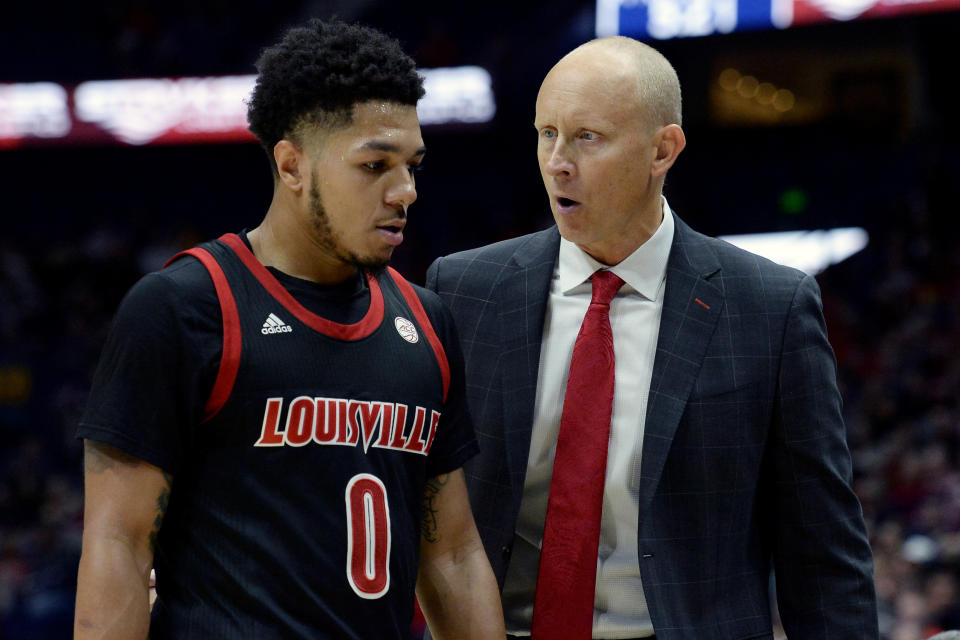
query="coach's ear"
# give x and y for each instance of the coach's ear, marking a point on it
(289, 158)
(668, 142)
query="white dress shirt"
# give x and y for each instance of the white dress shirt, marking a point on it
(620, 610)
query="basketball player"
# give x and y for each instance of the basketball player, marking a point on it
(277, 422)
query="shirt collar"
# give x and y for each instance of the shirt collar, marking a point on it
(643, 270)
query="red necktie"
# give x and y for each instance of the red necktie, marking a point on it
(563, 604)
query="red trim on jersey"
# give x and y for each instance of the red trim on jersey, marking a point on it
(367, 325)
(417, 307)
(230, 358)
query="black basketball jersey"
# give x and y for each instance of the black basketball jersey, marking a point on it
(296, 513)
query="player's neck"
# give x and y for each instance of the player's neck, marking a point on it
(279, 242)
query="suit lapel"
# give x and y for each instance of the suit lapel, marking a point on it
(521, 296)
(691, 308)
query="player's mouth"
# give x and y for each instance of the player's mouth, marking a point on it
(566, 205)
(392, 231)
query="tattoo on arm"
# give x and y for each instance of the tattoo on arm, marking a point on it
(99, 457)
(163, 501)
(430, 525)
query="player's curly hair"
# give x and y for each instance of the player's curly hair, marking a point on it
(317, 72)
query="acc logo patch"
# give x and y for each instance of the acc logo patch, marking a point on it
(406, 329)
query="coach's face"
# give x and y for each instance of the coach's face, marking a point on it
(598, 154)
(361, 183)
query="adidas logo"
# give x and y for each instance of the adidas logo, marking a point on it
(273, 324)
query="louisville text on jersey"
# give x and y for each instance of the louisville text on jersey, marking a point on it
(339, 421)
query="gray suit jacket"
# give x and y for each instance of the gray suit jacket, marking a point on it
(745, 462)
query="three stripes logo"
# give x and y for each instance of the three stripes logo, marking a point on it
(273, 324)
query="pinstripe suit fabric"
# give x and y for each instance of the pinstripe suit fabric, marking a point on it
(745, 463)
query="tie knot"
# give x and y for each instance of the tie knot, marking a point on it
(605, 286)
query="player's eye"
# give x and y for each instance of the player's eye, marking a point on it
(375, 166)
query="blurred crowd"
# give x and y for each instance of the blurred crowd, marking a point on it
(894, 321)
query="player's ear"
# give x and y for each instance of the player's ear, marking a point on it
(289, 158)
(669, 141)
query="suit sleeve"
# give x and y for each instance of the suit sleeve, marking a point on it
(821, 554)
(456, 442)
(433, 276)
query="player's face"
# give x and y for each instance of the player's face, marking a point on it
(595, 151)
(361, 183)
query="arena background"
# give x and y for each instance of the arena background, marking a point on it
(880, 151)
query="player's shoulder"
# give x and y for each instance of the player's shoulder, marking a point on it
(186, 275)
(183, 287)
(434, 307)
(437, 312)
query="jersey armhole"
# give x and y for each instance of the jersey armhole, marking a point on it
(230, 358)
(424, 321)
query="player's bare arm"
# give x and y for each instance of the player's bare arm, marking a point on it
(124, 504)
(429, 525)
(456, 587)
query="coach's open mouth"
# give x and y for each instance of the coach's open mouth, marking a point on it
(566, 205)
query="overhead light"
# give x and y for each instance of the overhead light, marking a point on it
(195, 109)
(809, 251)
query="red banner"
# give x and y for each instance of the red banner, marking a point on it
(812, 11)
